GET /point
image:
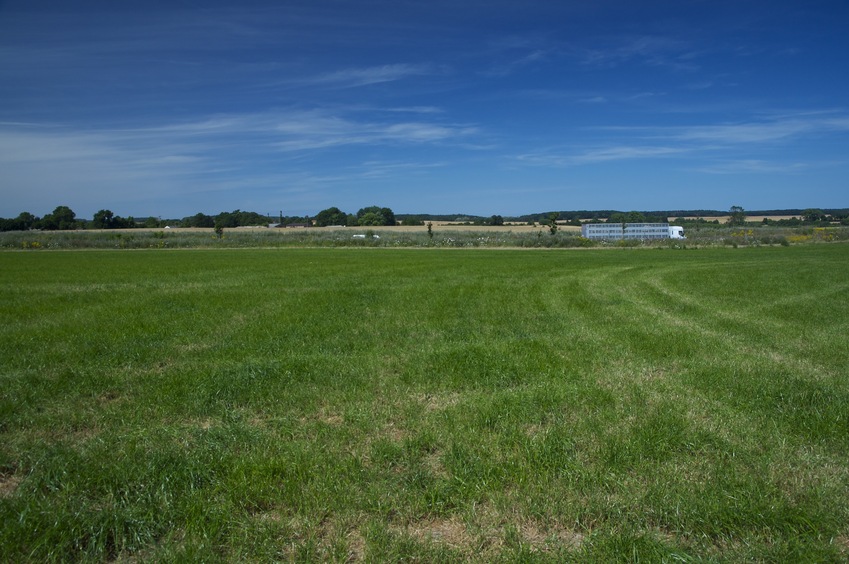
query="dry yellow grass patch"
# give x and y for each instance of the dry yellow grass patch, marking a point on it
(192, 347)
(332, 536)
(542, 539)
(326, 416)
(393, 432)
(8, 485)
(452, 532)
(332, 419)
(437, 402)
(539, 536)
(206, 423)
(485, 532)
(433, 462)
(356, 546)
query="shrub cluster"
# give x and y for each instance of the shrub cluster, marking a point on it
(435, 237)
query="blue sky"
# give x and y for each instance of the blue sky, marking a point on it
(480, 107)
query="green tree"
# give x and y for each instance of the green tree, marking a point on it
(331, 216)
(496, 220)
(103, 220)
(412, 220)
(552, 222)
(23, 222)
(388, 216)
(62, 218)
(199, 220)
(372, 218)
(246, 218)
(66, 217)
(226, 219)
(239, 218)
(813, 215)
(383, 216)
(736, 216)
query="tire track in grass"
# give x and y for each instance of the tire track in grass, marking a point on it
(796, 390)
(653, 309)
(752, 338)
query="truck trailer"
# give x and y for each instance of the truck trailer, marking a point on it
(616, 231)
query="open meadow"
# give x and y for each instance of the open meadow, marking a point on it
(382, 404)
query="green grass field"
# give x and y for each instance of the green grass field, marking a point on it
(379, 405)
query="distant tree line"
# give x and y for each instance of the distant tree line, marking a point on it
(64, 218)
(633, 217)
(366, 217)
(236, 218)
(737, 216)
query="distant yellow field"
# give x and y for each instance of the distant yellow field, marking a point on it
(453, 226)
(724, 218)
(437, 226)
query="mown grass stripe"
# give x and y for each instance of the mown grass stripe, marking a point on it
(324, 404)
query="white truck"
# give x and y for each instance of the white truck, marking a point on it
(632, 231)
(676, 232)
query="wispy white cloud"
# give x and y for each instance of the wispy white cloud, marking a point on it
(624, 152)
(651, 50)
(289, 130)
(699, 141)
(782, 128)
(424, 132)
(593, 100)
(354, 77)
(506, 68)
(599, 155)
(208, 154)
(641, 95)
(382, 169)
(728, 134)
(315, 131)
(416, 110)
(752, 166)
(114, 154)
